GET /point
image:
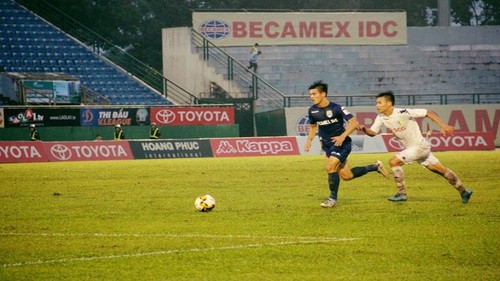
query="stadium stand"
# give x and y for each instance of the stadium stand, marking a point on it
(30, 44)
(427, 70)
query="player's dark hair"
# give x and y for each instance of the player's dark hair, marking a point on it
(320, 85)
(388, 95)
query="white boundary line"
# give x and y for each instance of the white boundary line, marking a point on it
(313, 240)
(142, 235)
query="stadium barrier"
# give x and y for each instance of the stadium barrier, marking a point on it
(466, 118)
(24, 151)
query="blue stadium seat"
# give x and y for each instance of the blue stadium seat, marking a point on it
(28, 43)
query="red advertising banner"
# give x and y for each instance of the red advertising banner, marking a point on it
(439, 142)
(21, 152)
(193, 116)
(87, 151)
(254, 146)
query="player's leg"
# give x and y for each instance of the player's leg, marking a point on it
(347, 173)
(396, 164)
(333, 180)
(433, 164)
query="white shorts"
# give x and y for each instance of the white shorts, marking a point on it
(420, 154)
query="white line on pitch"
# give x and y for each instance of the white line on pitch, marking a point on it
(167, 252)
(172, 236)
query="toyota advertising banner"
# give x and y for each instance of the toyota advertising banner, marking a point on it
(114, 116)
(352, 28)
(181, 116)
(269, 146)
(22, 151)
(41, 117)
(159, 149)
(469, 118)
(457, 142)
(85, 151)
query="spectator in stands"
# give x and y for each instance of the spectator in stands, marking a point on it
(253, 61)
(98, 137)
(34, 135)
(255, 48)
(327, 119)
(119, 134)
(154, 133)
(401, 123)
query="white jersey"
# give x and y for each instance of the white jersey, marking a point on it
(403, 125)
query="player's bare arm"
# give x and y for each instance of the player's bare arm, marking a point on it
(367, 130)
(312, 133)
(445, 128)
(353, 125)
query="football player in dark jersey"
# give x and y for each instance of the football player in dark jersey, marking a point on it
(327, 119)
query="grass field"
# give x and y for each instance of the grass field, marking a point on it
(135, 220)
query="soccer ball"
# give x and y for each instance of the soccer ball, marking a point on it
(204, 203)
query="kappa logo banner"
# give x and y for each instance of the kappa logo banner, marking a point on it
(19, 152)
(254, 147)
(244, 29)
(193, 116)
(85, 151)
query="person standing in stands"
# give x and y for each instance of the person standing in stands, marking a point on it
(34, 135)
(253, 61)
(119, 134)
(154, 133)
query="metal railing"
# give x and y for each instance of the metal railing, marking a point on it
(113, 53)
(90, 96)
(251, 85)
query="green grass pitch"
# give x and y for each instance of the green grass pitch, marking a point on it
(135, 220)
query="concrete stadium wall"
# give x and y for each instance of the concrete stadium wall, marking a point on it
(131, 132)
(185, 67)
(436, 60)
(459, 35)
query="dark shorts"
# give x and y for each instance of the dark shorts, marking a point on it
(339, 152)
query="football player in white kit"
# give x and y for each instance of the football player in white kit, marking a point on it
(401, 122)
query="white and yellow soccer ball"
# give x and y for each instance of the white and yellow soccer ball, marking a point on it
(204, 203)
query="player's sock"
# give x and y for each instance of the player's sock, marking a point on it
(399, 178)
(333, 183)
(361, 171)
(453, 179)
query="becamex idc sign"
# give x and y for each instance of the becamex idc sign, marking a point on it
(244, 29)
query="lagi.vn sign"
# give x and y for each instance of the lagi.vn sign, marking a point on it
(83, 151)
(244, 29)
(42, 117)
(440, 142)
(19, 152)
(254, 147)
(175, 116)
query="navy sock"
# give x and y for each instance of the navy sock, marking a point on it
(333, 183)
(361, 171)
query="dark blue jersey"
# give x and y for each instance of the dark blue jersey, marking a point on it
(330, 121)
